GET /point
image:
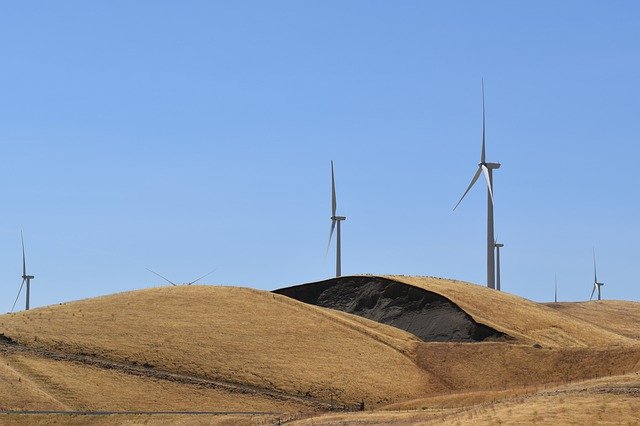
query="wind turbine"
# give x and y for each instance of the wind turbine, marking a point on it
(25, 278)
(487, 170)
(335, 222)
(498, 247)
(555, 290)
(596, 284)
(189, 283)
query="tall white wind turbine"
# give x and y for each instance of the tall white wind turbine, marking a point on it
(486, 169)
(335, 222)
(26, 278)
(596, 284)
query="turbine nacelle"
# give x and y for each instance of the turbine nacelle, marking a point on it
(491, 166)
(338, 218)
(28, 277)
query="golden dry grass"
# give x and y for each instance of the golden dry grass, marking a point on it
(618, 316)
(614, 401)
(237, 335)
(78, 387)
(139, 419)
(496, 366)
(527, 321)
(18, 392)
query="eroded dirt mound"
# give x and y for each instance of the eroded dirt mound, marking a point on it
(427, 315)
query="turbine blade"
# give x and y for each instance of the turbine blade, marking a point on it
(482, 156)
(485, 170)
(24, 259)
(333, 227)
(334, 203)
(18, 296)
(473, 181)
(166, 279)
(204, 276)
(592, 291)
(595, 272)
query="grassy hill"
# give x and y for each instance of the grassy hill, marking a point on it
(527, 321)
(253, 339)
(232, 349)
(617, 316)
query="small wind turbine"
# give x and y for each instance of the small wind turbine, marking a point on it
(498, 247)
(596, 284)
(335, 221)
(25, 278)
(555, 290)
(487, 170)
(189, 283)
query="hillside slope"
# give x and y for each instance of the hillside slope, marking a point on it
(237, 336)
(525, 321)
(618, 316)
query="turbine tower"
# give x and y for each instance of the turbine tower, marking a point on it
(486, 169)
(25, 279)
(596, 284)
(498, 247)
(555, 290)
(335, 222)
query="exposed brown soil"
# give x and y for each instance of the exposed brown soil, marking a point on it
(427, 315)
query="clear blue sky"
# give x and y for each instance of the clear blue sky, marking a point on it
(184, 136)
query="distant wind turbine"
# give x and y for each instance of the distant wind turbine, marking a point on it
(487, 170)
(555, 290)
(335, 222)
(498, 247)
(596, 284)
(25, 279)
(189, 283)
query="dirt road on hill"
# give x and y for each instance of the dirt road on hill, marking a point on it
(8, 347)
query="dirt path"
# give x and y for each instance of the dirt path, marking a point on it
(33, 385)
(151, 372)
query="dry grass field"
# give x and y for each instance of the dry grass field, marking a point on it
(237, 336)
(232, 349)
(614, 401)
(614, 315)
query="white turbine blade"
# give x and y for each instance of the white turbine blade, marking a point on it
(595, 272)
(18, 296)
(473, 181)
(485, 171)
(334, 203)
(204, 276)
(24, 260)
(482, 156)
(592, 291)
(333, 227)
(166, 279)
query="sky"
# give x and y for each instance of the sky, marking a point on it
(188, 136)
